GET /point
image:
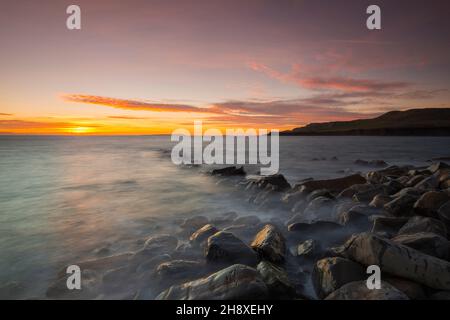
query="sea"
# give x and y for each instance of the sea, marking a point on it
(65, 199)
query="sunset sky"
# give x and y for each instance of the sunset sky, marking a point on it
(149, 67)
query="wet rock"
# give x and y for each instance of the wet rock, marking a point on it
(408, 191)
(415, 180)
(398, 260)
(270, 244)
(401, 206)
(237, 282)
(275, 182)
(224, 219)
(319, 193)
(224, 248)
(276, 280)
(413, 290)
(315, 227)
(427, 184)
(358, 290)
(367, 196)
(307, 249)
(229, 171)
(336, 185)
(330, 274)
(423, 224)
(320, 208)
(392, 187)
(202, 234)
(426, 242)
(380, 200)
(247, 220)
(387, 225)
(160, 244)
(178, 269)
(376, 177)
(354, 217)
(194, 223)
(430, 202)
(244, 231)
(438, 166)
(150, 264)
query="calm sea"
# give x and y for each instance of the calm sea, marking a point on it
(62, 199)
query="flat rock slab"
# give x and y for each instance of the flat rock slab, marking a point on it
(398, 260)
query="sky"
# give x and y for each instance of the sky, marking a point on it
(150, 67)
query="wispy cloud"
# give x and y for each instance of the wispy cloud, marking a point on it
(133, 104)
(5, 114)
(303, 79)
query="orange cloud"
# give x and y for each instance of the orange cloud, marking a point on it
(134, 104)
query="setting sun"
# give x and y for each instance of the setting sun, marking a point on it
(80, 130)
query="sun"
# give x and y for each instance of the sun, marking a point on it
(80, 130)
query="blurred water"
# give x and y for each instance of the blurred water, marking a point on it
(63, 198)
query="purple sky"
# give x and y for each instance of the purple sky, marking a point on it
(278, 63)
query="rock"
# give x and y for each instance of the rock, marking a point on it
(315, 227)
(358, 290)
(413, 290)
(388, 225)
(438, 166)
(276, 280)
(398, 260)
(160, 244)
(336, 185)
(202, 234)
(194, 223)
(307, 249)
(415, 180)
(224, 248)
(423, 224)
(270, 244)
(247, 220)
(237, 282)
(367, 196)
(376, 177)
(330, 274)
(444, 213)
(380, 200)
(354, 217)
(243, 231)
(430, 202)
(150, 264)
(407, 191)
(401, 206)
(178, 269)
(427, 184)
(229, 171)
(275, 182)
(426, 242)
(320, 208)
(319, 193)
(224, 219)
(189, 251)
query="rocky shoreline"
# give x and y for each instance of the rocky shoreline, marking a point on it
(319, 245)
